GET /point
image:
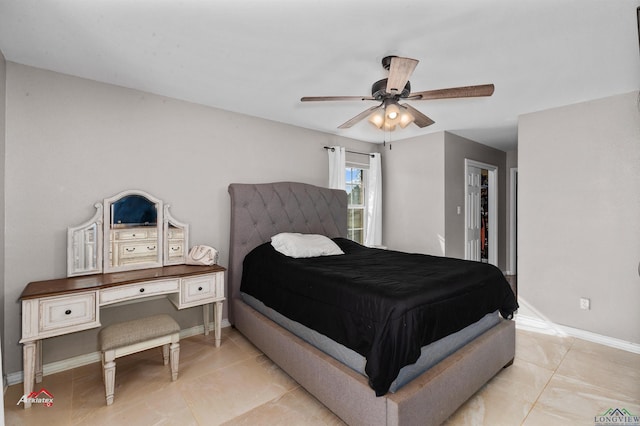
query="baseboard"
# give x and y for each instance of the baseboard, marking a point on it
(79, 361)
(522, 322)
(547, 327)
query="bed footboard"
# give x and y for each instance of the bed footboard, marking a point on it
(432, 397)
(341, 389)
(428, 400)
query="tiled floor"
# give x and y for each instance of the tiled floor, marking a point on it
(554, 381)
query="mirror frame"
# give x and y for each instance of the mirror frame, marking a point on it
(168, 222)
(99, 242)
(75, 236)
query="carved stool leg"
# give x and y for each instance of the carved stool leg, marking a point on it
(109, 375)
(102, 364)
(165, 354)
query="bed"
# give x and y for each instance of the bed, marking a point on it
(260, 211)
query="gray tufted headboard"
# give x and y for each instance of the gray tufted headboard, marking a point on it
(259, 211)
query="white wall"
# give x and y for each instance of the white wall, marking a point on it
(71, 142)
(579, 214)
(413, 195)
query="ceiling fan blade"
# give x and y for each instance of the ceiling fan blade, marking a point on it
(400, 70)
(359, 117)
(336, 98)
(420, 119)
(455, 92)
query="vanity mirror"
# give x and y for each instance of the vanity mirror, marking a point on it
(131, 230)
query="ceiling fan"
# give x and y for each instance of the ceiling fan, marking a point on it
(391, 90)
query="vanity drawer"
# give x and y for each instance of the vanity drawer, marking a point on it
(137, 250)
(69, 313)
(135, 291)
(199, 289)
(176, 249)
(135, 234)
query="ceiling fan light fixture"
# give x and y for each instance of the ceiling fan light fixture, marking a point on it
(406, 118)
(377, 118)
(388, 126)
(390, 116)
(391, 112)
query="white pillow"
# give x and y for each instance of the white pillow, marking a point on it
(304, 245)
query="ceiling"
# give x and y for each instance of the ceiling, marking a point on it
(258, 57)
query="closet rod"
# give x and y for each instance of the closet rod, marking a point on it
(351, 152)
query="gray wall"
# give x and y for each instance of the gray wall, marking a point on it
(457, 149)
(579, 214)
(3, 96)
(423, 186)
(413, 195)
(71, 142)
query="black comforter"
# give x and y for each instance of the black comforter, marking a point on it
(383, 304)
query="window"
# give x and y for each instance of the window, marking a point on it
(355, 186)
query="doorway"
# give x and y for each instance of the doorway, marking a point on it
(481, 212)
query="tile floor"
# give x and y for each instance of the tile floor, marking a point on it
(553, 381)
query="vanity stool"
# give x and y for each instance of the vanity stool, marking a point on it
(138, 335)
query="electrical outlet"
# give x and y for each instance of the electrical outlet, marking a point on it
(585, 303)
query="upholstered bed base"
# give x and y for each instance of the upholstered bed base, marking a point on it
(427, 400)
(259, 211)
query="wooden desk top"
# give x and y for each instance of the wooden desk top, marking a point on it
(62, 286)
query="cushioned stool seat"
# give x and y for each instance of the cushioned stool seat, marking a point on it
(138, 335)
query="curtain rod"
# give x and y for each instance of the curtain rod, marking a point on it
(352, 152)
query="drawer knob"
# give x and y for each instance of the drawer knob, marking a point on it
(142, 290)
(67, 312)
(151, 248)
(130, 249)
(199, 288)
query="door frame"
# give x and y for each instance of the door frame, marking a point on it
(493, 208)
(513, 221)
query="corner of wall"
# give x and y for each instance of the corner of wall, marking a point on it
(3, 103)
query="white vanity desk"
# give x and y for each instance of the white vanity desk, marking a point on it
(131, 249)
(63, 306)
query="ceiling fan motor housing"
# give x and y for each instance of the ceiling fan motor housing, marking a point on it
(386, 61)
(378, 90)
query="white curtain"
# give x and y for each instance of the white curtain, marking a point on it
(373, 234)
(337, 164)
